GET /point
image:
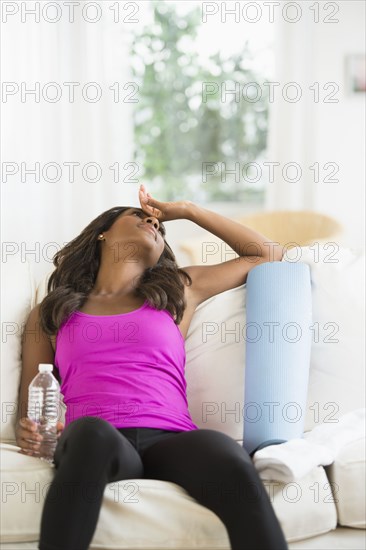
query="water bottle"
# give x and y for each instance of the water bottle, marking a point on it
(44, 407)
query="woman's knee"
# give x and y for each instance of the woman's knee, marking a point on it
(90, 431)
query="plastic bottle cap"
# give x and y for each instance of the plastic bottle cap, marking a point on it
(45, 367)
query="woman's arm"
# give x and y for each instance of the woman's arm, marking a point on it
(209, 280)
(242, 239)
(252, 248)
(36, 348)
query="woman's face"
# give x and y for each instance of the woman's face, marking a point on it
(138, 234)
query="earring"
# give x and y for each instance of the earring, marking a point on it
(101, 237)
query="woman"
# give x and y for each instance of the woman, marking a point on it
(119, 308)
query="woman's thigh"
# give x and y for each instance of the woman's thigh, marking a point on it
(195, 460)
(220, 475)
(88, 443)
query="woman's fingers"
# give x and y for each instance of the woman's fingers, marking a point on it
(27, 437)
(27, 423)
(60, 427)
(30, 449)
(29, 452)
(163, 211)
(142, 193)
(150, 201)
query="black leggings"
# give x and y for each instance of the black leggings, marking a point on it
(208, 464)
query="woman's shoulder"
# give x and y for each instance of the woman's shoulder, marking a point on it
(190, 308)
(36, 344)
(34, 320)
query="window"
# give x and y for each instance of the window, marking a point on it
(200, 124)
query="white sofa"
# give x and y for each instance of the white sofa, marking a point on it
(322, 510)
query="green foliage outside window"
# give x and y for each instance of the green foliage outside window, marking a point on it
(176, 130)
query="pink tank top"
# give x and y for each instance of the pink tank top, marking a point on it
(127, 369)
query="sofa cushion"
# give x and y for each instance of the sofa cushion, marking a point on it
(170, 517)
(337, 363)
(17, 299)
(135, 513)
(347, 475)
(305, 508)
(215, 366)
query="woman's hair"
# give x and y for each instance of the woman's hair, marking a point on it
(77, 266)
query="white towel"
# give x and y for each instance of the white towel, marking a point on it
(292, 460)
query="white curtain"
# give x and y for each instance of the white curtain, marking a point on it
(37, 213)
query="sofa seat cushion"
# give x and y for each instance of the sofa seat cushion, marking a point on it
(305, 508)
(135, 513)
(347, 474)
(154, 514)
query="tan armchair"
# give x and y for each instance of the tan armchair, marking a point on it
(287, 227)
(303, 227)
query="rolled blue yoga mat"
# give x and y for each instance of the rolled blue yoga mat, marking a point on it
(278, 346)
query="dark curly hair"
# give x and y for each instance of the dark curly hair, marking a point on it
(77, 266)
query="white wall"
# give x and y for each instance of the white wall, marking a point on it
(341, 129)
(308, 131)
